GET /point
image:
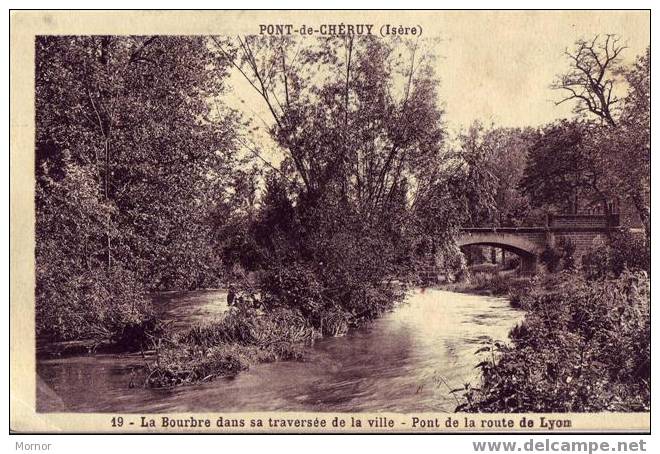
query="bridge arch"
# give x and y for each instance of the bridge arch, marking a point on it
(528, 249)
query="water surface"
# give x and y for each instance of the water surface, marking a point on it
(403, 362)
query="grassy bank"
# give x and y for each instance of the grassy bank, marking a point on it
(259, 328)
(242, 337)
(508, 285)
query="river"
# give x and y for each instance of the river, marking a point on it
(403, 362)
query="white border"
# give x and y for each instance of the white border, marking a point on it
(280, 443)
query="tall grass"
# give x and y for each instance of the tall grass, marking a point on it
(242, 337)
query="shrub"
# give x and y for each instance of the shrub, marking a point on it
(294, 286)
(330, 299)
(597, 262)
(224, 348)
(560, 256)
(245, 326)
(94, 305)
(518, 290)
(584, 347)
(625, 250)
(182, 365)
(567, 250)
(551, 258)
(629, 251)
(501, 284)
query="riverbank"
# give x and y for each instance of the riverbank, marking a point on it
(177, 310)
(197, 336)
(241, 337)
(255, 328)
(504, 284)
(582, 346)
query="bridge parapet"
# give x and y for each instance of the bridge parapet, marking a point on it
(584, 220)
(504, 229)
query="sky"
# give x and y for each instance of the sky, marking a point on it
(497, 67)
(494, 66)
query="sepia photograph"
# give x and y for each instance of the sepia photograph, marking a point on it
(331, 221)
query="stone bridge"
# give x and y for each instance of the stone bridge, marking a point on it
(583, 231)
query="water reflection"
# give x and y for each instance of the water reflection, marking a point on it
(391, 365)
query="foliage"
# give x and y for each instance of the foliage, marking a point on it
(551, 258)
(559, 256)
(129, 159)
(246, 326)
(183, 365)
(625, 250)
(145, 181)
(496, 158)
(91, 304)
(224, 348)
(619, 141)
(567, 249)
(364, 183)
(479, 184)
(77, 299)
(583, 346)
(560, 169)
(623, 150)
(499, 284)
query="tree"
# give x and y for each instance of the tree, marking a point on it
(624, 152)
(497, 158)
(620, 147)
(131, 121)
(475, 176)
(363, 177)
(634, 145)
(349, 112)
(560, 170)
(590, 79)
(136, 111)
(509, 153)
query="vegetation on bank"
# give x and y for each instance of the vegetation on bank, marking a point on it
(146, 180)
(261, 327)
(584, 344)
(127, 175)
(242, 337)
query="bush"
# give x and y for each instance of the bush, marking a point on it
(330, 299)
(559, 257)
(625, 250)
(93, 305)
(294, 286)
(551, 258)
(181, 365)
(77, 296)
(567, 252)
(583, 347)
(501, 284)
(224, 348)
(245, 326)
